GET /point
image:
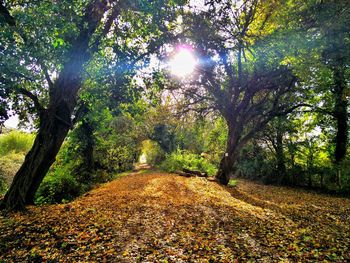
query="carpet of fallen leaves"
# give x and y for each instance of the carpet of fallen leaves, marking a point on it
(158, 217)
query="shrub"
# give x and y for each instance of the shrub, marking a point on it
(16, 142)
(345, 175)
(232, 183)
(57, 187)
(182, 159)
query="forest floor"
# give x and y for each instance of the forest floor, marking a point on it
(150, 216)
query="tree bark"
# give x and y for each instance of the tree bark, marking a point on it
(227, 163)
(341, 114)
(341, 117)
(36, 164)
(226, 169)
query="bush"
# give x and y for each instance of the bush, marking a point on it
(16, 142)
(345, 175)
(182, 159)
(232, 183)
(57, 187)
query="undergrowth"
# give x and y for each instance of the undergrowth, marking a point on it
(179, 160)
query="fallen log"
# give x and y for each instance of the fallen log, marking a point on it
(183, 174)
(189, 173)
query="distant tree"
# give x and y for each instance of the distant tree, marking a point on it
(327, 23)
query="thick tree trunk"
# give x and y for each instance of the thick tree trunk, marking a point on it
(55, 121)
(37, 162)
(341, 117)
(226, 170)
(227, 165)
(341, 114)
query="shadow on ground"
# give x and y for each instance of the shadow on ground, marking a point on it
(158, 217)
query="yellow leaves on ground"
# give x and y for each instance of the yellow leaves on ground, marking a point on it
(157, 217)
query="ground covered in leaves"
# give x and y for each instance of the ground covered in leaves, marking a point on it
(157, 217)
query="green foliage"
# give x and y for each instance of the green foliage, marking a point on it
(3, 186)
(15, 141)
(255, 163)
(116, 146)
(113, 146)
(215, 140)
(57, 187)
(164, 135)
(190, 135)
(232, 183)
(179, 160)
(152, 152)
(13, 146)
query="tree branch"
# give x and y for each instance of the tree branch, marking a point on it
(5, 14)
(47, 76)
(33, 97)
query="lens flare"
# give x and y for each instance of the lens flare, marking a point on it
(183, 63)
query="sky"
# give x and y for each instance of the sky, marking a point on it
(12, 122)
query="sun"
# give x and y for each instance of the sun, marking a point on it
(183, 63)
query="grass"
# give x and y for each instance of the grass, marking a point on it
(9, 165)
(13, 147)
(15, 142)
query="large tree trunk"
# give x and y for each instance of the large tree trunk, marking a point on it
(55, 124)
(341, 117)
(227, 165)
(37, 162)
(226, 169)
(341, 114)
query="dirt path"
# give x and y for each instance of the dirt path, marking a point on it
(157, 217)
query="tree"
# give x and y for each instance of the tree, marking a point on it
(242, 70)
(334, 46)
(273, 139)
(55, 120)
(114, 85)
(335, 53)
(62, 45)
